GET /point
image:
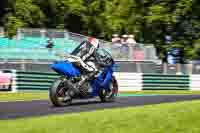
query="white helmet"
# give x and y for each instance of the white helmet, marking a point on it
(95, 42)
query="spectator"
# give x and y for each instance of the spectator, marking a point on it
(116, 46)
(131, 43)
(124, 51)
(50, 45)
(115, 38)
(116, 42)
(131, 40)
(124, 39)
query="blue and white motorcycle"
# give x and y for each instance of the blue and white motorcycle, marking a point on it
(103, 84)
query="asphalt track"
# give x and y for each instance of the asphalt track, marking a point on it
(13, 110)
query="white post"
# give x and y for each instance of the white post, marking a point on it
(189, 68)
(23, 67)
(66, 35)
(165, 68)
(13, 84)
(178, 68)
(43, 36)
(138, 67)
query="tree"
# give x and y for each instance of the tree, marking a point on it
(165, 23)
(12, 25)
(29, 13)
(70, 13)
(6, 6)
(49, 8)
(170, 18)
(24, 14)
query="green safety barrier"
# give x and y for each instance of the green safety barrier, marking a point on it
(165, 82)
(34, 80)
(43, 80)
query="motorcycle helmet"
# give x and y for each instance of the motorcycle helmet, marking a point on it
(95, 42)
(105, 60)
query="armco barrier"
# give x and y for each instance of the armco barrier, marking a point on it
(34, 80)
(195, 82)
(127, 81)
(42, 81)
(165, 82)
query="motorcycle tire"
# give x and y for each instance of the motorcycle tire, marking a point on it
(106, 96)
(57, 94)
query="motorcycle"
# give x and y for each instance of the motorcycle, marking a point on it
(103, 83)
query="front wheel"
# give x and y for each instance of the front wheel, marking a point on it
(110, 94)
(57, 93)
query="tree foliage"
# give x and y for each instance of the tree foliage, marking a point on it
(12, 25)
(151, 21)
(29, 13)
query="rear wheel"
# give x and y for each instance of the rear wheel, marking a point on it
(57, 94)
(109, 95)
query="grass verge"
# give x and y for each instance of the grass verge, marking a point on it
(28, 96)
(181, 117)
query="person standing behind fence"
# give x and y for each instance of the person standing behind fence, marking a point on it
(124, 51)
(131, 43)
(131, 40)
(116, 46)
(115, 38)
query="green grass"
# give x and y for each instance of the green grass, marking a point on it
(181, 117)
(28, 96)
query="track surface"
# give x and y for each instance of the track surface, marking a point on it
(13, 110)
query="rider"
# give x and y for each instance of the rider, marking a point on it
(86, 51)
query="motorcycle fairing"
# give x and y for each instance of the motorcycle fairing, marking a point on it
(66, 68)
(102, 81)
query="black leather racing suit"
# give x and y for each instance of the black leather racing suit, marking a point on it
(85, 51)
